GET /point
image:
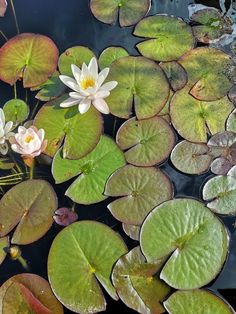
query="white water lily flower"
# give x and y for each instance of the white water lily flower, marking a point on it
(88, 87)
(5, 133)
(28, 142)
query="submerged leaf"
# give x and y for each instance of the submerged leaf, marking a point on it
(111, 54)
(175, 73)
(65, 216)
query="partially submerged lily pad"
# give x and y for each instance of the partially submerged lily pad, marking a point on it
(4, 243)
(141, 81)
(82, 256)
(146, 142)
(193, 238)
(129, 12)
(16, 110)
(111, 54)
(132, 231)
(175, 73)
(32, 57)
(167, 37)
(30, 212)
(93, 170)
(137, 284)
(140, 189)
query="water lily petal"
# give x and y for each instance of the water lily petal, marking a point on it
(103, 75)
(68, 81)
(4, 148)
(76, 95)
(2, 117)
(21, 129)
(101, 105)
(76, 72)
(93, 68)
(16, 148)
(69, 102)
(109, 86)
(41, 134)
(102, 94)
(8, 126)
(84, 105)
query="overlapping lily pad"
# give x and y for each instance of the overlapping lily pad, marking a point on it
(93, 171)
(167, 37)
(81, 257)
(31, 57)
(231, 122)
(132, 231)
(111, 54)
(70, 126)
(146, 142)
(140, 189)
(141, 81)
(4, 242)
(196, 301)
(176, 74)
(137, 284)
(193, 238)
(29, 206)
(194, 119)
(16, 110)
(129, 12)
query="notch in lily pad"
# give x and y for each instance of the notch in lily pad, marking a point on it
(111, 54)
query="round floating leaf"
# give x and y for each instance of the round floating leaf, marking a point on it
(128, 11)
(82, 256)
(132, 231)
(195, 240)
(231, 122)
(93, 170)
(196, 301)
(142, 189)
(141, 81)
(29, 56)
(168, 37)
(75, 55)
(30, 212)
(111, 54)
(4, 242)
(28, 293)
(147, 142)
(191, 158)
(71, 126)
(16, 110)
(205, 117)
(137, 285)
(207, 73)
(175, 73)
(165, 112)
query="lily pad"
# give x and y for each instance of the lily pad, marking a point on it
(193, 238)
(132, 231)
(207, 73)
(70, 126)
(82, 256)
(165, 112)
(167, 37)
(231, 122)
(194, 119)
(137, 285)
(196, 301)
(93, 171)
(16, 110)
(141, 81)
(175, 73)
(128, 11)
(111, 54)
(6, 163)
(4, 242)
(29, 56)
(30, 212)
(141, 189)
(146, 142)
(191, 158)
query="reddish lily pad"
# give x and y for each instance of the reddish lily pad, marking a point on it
(132, 231)
(141, 189)
(3, 7)
(65, 216)
(146, 142)
(111, 54)
(30, 212)
(29, 56)
(175, 73)
(4, 242)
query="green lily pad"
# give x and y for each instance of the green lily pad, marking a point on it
(128, 11)
(111, 54)
(193, 237)
(70, 126)
(165, 112)
(30, 212)
(16, 110)
(205, 117)
(4, 242)
(207, 73)
(191, 158)
(31, 57)
(141, 189)
(141, 81)
(231, 122)
(75, 55)
(146, 142)
(196, 301)
(93, 171)
(82, 256)
(6, 163)
(132, 231)
(167, 37)
(175, 73)
(137, 285)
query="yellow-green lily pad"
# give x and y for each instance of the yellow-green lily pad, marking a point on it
(231, 122)
(16, 110)
(4, 242)
(132, 231)
(111, 54)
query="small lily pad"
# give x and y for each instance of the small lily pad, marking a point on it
(137, 285)
(82, 256)
(146, 142)
(111, 54)
(141, 189)
(141, 81)
(6, 163)
(128, 11)
(132, 231)
(194, 119)
(4, 242)
(231, 122)
(196, 301)
(30, 212)
(167, 37)
(29, 56)
(16, 110)
(93, 171)
(175, 73)
(193, 238)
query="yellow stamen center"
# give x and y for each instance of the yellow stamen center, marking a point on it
(87, 82)
(28, 139)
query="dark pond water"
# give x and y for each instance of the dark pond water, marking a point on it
(69, 23)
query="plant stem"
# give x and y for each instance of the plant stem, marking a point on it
(114, 127)
(26, 95)
(32, 170)
(15, 18)
(34, 109)
(15, 91)
(3, 35)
